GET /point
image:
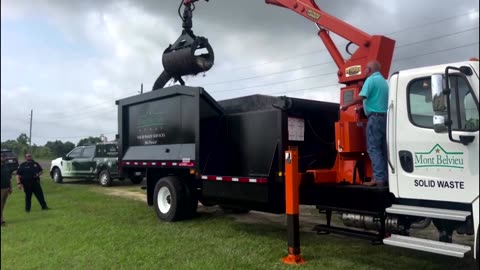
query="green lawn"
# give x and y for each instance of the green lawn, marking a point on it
(90, 230)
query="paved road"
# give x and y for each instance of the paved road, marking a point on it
(45, 165)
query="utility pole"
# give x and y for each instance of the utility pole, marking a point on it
(141, 88)
(30, 136)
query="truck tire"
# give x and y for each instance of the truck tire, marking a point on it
(104, 178)
(136, 179)
(57, 176)
(170, 199)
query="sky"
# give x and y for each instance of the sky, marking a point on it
(69, 61)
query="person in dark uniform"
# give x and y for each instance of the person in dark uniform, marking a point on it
(28, 178)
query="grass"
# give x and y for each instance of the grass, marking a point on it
(90, 230)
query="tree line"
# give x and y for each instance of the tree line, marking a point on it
(51, 150)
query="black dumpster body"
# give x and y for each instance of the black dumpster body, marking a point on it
(232, 149)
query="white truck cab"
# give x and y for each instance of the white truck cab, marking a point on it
(433, 151)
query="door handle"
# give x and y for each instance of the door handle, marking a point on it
(389, 113)
(406, 160)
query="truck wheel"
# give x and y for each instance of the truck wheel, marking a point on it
(170, 199)
(136, 179)
(57, 176)
(104, 178)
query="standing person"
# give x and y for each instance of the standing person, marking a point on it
(28, 178)
(374, 96)
(6, 184)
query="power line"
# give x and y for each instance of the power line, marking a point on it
(87, 113)
(274, 83)
(437, 37)
(438, 51)
(270, 74)
(418, 55)
(330, 61)
(301, 89)
(304, 89)
(331, 73)
(434, 22)
(344, 44)
(309, 66)
(75, 118)
(74, 137)
(97, 104)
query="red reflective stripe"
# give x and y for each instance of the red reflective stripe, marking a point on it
(262, 180)
(186, 164)
(156, 163)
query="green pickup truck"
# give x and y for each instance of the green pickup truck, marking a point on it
(98, 161)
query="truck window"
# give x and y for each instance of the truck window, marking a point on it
(88, 152)
(471, 113)
(75, 153)
(420, 103)
(107, 150)
(464, 107)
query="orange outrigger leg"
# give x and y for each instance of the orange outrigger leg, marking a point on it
(292, 183)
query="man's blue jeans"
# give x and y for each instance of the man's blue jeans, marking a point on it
(377, 146)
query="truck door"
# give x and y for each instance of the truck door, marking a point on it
(85, 164)
(68, 168)
(107, 154)
(428, 164)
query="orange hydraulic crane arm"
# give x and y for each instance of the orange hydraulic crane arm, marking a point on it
(370, 48)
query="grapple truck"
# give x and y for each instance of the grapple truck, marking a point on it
(273, 154)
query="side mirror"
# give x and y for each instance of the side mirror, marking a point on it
(439, 125)
(439, 104)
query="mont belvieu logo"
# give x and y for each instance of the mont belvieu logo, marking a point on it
(438, 157)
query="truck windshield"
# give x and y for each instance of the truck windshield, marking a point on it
(8, 154)
(107, 150)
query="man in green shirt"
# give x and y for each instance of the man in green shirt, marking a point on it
(6, 185)
(374, 96)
